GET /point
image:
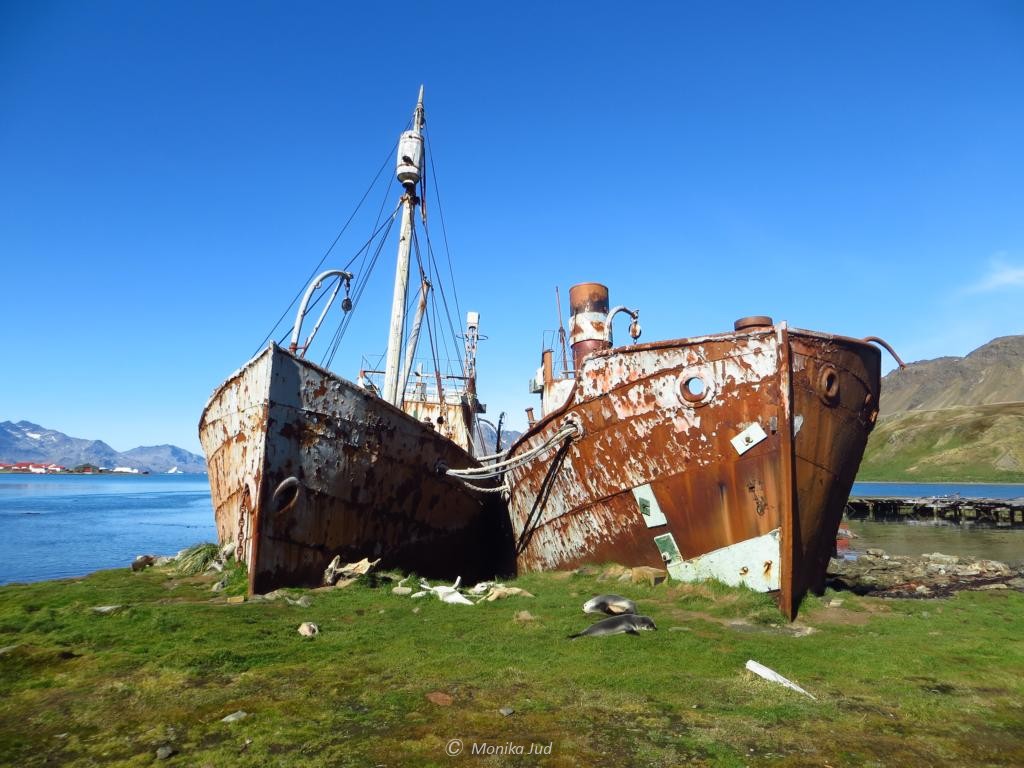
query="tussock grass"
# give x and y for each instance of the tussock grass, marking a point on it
(915, 683)
(196, 559)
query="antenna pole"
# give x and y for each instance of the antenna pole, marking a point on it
(561, 334)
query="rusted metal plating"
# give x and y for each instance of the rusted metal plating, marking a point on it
(656, 479)
(305, 465)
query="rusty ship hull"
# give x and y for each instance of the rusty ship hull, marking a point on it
(727, 457)
(305, 465)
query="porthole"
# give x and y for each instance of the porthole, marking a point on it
(828, 384)
(696, 388)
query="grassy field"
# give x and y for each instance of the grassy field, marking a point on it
(980, 443)
(907, 683)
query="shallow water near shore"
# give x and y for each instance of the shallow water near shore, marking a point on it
(1006, 546)
(59, 526)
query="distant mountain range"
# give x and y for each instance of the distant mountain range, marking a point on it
(952, 419)
(25, 441)
(489, 433)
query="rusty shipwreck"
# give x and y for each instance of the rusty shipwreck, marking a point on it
(729, 456)
(305, 465)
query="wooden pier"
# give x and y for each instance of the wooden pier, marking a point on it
(952, 510)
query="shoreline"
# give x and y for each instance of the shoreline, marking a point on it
(937, 482)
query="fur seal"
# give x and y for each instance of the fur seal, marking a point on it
(613, 605)
(616, 625)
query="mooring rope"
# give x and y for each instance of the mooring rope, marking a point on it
(568, 431)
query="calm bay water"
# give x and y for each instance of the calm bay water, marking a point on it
(56, 526)
(1007, 546)
(923, 490)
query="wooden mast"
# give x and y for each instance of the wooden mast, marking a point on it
(409, 170)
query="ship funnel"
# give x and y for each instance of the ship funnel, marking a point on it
(588, 307)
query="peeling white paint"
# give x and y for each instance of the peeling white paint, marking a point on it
(754, 563)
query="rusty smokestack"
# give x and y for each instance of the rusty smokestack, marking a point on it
(588, 307)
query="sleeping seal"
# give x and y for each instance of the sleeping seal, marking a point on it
(613, 605)
(616, 625)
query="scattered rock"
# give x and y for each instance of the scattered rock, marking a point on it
(506, 711)
(235, 599)
(833, 603)
(653, 576)
(524, 616)
(874, 552)
(142, 562)
(928, 576)
(162, 560)
(798, 630)
(994, 566)
(416, 609)
(228, 550)
(234, 717)
(106, 610)
(439, 698)
(401, 591)
(165, 752)
(302, 602)
(218, 586)
(308, 629)
(611, 572)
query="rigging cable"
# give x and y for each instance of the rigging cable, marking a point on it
(331, 248)
(423, 276)
(360, 288)
(359, 281)
(440, 213)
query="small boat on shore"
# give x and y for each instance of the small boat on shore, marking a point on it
(727, 456)
(306, 465)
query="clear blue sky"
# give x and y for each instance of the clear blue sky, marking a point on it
(170, 172)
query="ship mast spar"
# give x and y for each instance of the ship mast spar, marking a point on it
(409, 170)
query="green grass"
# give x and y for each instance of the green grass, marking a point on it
(982, 443)
(915, 683)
